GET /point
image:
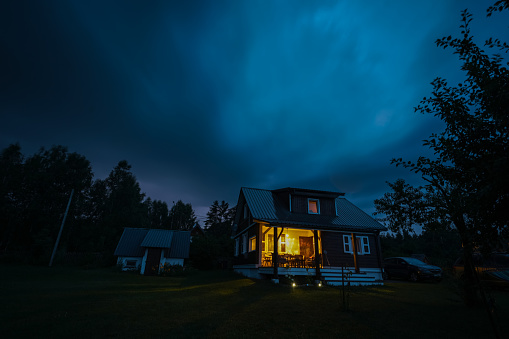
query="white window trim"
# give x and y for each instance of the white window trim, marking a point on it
(244, 243)
(250, 242)
(347, 244)
(317, 205)
(362, 244)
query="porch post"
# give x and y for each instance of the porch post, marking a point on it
(317, 256)
(379, 252)
(275, 254)
(354, 247)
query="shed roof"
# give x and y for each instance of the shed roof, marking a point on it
(158, 238)
(265, 206)
(179, 245)
(129, 244)
(134, 241)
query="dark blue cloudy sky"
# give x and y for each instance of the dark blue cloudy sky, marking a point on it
(203, 97)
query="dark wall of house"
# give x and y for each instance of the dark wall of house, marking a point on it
(300, 205)
(243, 222)
(332, 242)
(283, 198)
(249, 257)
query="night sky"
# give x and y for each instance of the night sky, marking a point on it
(204, 97)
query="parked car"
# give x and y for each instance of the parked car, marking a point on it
(492, 270)
(411, 269)
(494, 262)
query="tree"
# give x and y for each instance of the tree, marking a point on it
(34, 193)
(220, 216)
(466, 184)
(216, 247)
(182, 216)
(124, 205)
(158, 214)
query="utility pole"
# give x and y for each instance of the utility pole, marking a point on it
(61, 228)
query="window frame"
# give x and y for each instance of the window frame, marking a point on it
(244, 243)
(252, 241)
(362, 244)
(237, 249)
(317, 201)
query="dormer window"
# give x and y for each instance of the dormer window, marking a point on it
(313, 206)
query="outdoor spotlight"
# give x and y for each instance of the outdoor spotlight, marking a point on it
(320, 284)
(293, 284)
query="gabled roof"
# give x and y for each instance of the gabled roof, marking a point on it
(179, 245)
(265, 206)
(134, 241)
(158, 238)
(129, 244)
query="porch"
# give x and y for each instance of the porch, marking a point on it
(334, 276)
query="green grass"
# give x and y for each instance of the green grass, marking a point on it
(73, 303)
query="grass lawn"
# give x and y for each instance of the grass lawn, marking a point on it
(74, 303)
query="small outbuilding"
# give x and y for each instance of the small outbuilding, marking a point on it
(150, 249)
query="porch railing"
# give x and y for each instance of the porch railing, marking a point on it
(293, 261)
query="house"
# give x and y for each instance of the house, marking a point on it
(150, 249)
(303, 232)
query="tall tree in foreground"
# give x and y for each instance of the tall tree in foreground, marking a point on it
(466, 184)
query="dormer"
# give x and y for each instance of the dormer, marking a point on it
(305, 201)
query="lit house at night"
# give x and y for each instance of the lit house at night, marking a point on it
(302, 232)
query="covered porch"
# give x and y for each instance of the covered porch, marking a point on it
(285, 247)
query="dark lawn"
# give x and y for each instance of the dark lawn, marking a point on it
(74, 303)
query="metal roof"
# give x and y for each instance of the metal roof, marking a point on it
(134, 241)
(265, 206)
(179, 245)
(129, 244)
(158, 238)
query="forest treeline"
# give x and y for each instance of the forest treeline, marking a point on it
(35, 190)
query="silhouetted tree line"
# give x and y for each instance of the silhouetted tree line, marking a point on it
(441, 247)
(215, 248)
(34, 191)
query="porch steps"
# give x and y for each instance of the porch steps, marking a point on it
(354, 279)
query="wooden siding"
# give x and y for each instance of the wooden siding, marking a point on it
(332, 242)
(250, 257)
(284, 199)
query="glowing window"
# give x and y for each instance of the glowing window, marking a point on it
(313, 206)
(252, 244)
(282, 243)
(270, 243)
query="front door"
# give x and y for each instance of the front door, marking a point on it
(306, 247)
(153, 260)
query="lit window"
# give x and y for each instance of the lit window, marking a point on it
(270, 242)
(313, 206)
(282, 243)
(252, 244)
